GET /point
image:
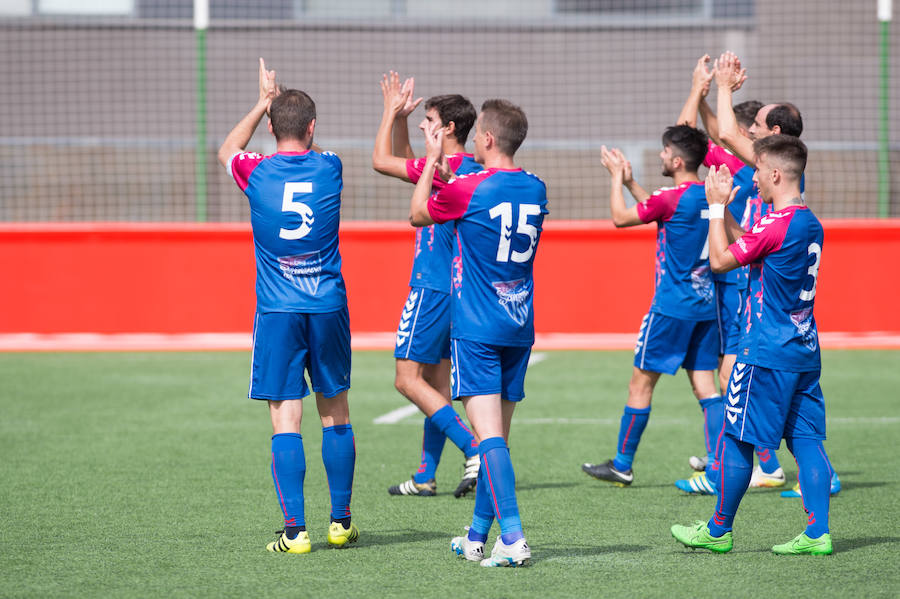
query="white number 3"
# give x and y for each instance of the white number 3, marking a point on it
(808, 294)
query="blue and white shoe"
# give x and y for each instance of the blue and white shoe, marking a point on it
(517, 554)
(465, 547)
(795, 492)
(698, 484)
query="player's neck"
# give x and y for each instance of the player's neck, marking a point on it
(786, 198)
(498, 160)
(685, 177)
(291, 145)
(454, 148)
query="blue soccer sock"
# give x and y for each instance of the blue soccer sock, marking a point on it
(339, 457)
(713, 420)
(736, 459)
(449, 423)
(288, 472)
(501, 480)
(432, 447)
(483, 516)
(634, 421)
(768, 460)
(815, 483)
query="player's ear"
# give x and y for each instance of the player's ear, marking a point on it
(450, 127)
(269, 126)
(311, 129)
(776, 129)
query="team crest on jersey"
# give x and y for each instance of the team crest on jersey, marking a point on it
(303, 270)
(802, 319)
(513, 296)
(702, 282)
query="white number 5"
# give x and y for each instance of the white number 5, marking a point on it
(289, 205)
(808, 294)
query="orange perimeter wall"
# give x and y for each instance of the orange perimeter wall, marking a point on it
(187, 278)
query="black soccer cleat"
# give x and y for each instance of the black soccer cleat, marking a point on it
(608, 472)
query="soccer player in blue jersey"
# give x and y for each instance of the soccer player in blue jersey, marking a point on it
(679, 331)
(498, 214)
(422, 348)
(770, 119)
(301, 320)
(726, 285)
(774, 390)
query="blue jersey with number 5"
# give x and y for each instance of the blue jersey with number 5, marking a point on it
(499, 216)
(295, 209)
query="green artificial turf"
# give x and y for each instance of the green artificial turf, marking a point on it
(146, 475)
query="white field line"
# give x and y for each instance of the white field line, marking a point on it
(395, 416)
(839, 422)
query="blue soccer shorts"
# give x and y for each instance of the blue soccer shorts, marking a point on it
(482, 369)
(664, 344)
(728, 302)
(763, 405)
(424, 332)
(285, 344)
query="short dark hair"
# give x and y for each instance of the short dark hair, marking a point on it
(745, 112)
(786, 116)
(456, 109)
(507, 122)
(687, 142)
(291, 112)
(787, 151)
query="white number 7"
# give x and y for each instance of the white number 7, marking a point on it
(289, 205)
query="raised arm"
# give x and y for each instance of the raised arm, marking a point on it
(615, 163)
(729, 77)
(398, 104)
(700, 81)
(719, 193)
(239, 137)
(434, 160)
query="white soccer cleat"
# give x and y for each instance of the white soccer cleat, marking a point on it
(698, 463)
(464, 547)
(517, 554)
(762, 479)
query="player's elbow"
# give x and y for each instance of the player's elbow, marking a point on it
(718, 264)
(226, 152)
(621, 220)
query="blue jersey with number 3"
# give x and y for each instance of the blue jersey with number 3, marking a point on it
(778, 329)
(499, 216)
(295, 209)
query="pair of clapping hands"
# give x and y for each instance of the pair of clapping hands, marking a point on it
(718, 183)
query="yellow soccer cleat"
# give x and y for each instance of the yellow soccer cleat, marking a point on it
(340, 536)
(282, 544)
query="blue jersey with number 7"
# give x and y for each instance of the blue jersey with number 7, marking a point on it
(295, 210)
(684, 287)
(499, 216)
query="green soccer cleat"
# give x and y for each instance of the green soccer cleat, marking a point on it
(803, 545)
(696, 536)
(339, 536)
(282, 544)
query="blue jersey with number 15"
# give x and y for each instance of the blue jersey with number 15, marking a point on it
(295, 209)
(499, 216)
